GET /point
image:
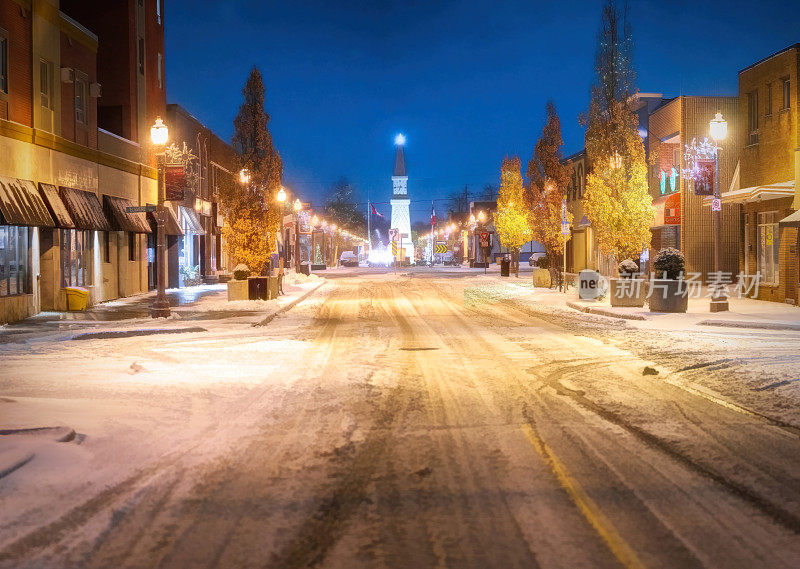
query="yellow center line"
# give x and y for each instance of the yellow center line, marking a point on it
(621, 550)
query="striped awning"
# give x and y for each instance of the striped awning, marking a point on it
(21, 204)
(56, 206)
(190, 221)
(121, 219)
(85, 209)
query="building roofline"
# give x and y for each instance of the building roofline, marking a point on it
(776, 54)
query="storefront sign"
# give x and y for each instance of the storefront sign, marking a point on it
(304, 220)
(704, 180)
(667, 210)
(175, 181)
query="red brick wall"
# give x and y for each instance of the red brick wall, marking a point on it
(17, 107)
(82, 59)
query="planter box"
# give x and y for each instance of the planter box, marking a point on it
(668, 295)
(628, 292)
(318, 267)
(541, 278)
(237, 290)
(272, 288)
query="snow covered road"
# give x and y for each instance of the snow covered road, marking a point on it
(394, 421)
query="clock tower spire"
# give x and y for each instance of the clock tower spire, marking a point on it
(401, 220)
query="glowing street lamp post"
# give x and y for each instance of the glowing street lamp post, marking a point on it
(719, 130)
(159, 135)
(298, 207)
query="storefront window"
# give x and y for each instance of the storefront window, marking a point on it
(14, 262)
(768, 246)
(76, 256)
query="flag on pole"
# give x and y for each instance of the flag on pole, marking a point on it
(433, 215)
(375, 211)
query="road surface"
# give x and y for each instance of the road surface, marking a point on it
(415, 421)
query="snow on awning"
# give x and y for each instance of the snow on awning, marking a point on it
(121, 219)
(56, 207)
(191, 222)
(759, 193)
(85, 209)
(21, 204)
(792, 220)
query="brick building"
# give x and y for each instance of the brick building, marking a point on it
(68, 172)
(683, 220)
(216, 166)
(765, 183)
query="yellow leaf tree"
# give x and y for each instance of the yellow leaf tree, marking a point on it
(618, 202)
(548, 180)
(511, 219)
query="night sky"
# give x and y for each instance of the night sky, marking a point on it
(466, 81)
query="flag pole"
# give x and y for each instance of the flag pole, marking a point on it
(369, 220)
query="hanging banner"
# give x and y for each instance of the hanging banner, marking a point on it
(304, 221)
(174, 181)
(704, 180)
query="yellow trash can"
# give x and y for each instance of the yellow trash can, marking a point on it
(77, 297)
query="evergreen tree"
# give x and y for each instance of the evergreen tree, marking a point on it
(251, 210)
(342, 207)
(511, 219)
(548, 179)
(618, 202)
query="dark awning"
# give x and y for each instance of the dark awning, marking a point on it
(85, 209)
(121, 219)
(21, 204)
(55, 206)
(172, 227)
(191, 220)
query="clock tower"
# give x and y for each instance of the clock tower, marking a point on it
(401, 220)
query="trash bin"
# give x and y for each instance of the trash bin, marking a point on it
(77, 297)
(258, 288)
(505, 267)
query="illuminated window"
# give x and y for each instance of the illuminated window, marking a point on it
(14, 267)
(76, 257)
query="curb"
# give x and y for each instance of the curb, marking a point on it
(746, 324)
(110, 334)
(269, 317)
(604, 312)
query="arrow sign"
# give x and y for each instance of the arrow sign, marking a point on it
(140, 208)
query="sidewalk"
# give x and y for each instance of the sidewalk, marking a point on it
(743, 313)
(196, 304)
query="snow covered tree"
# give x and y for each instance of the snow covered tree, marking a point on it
(251, 210)
(548, 179)
(618, 202)
(511, 218)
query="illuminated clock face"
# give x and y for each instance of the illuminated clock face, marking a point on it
(398, 187)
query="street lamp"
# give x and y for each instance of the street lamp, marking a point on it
(159, 134)
(298, 206)
(719, 130)
(282, 195)
(244, 176)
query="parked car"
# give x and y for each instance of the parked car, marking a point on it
(348, 259)
(535, 257)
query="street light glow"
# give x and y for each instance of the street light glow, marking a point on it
(244, 176)
(159, 133)
(719, 128)
(400, 139)
(298, 205)
(282, 195)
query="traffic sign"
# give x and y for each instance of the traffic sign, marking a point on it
(140, 208)
(565, 228)
(394, 248)
(716, 204)
(441, 248)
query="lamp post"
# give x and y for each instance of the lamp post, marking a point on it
(158, 136)
(298, 207)
(719, 130)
